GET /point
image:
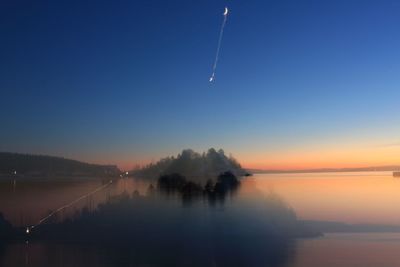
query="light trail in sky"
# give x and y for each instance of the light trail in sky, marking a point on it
(221, 34)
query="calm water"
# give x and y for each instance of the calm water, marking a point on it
(344, 197)
(352, 250)
(332, 250)
(365, 197)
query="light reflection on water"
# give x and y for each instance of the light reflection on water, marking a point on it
(368, 197)
(364, 197)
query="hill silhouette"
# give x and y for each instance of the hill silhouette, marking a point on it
(25, 165)
(193, 165)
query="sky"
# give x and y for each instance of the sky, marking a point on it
(299, 84)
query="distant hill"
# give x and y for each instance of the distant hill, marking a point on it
(45, 166)
(193, 165)
(360, 169)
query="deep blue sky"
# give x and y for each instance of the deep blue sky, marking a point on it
(127, 81)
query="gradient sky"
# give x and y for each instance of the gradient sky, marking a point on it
(300, 84)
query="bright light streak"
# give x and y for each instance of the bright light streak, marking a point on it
(221, 34)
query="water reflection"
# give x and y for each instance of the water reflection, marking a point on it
(215, 192)
(45, 255)
(358, 197)
(155, 229)
(135, 224)
(348, 250)
(32, 200)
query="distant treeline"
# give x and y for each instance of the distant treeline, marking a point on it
(193, 165)
(35, 165)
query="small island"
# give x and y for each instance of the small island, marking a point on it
(199, 167)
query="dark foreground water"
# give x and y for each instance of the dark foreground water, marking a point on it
(253, 226)
(332, 250)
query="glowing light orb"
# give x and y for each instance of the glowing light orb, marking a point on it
(226, 11)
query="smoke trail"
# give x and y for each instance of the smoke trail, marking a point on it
(221, 34)
(29, 228)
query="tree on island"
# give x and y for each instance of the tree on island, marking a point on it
(193, 165)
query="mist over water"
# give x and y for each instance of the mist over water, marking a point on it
(131, 227)
(257, 225)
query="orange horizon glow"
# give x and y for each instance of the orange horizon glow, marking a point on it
(304, 160)
(350, 154)
(328, 157)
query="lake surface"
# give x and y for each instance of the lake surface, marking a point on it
(349, 250)
(370, 197)
(354, 197)
(332, 250)
(365, 197)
